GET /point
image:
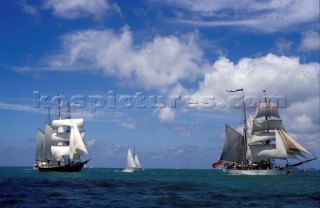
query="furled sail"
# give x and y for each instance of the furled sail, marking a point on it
(267, 110)
(40, 146)
(233, 149)
(68, 122)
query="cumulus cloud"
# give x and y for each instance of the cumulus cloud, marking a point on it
(73, 9)
(156, 64)
(166, 114)
(279, 75)
(303, 117)
(310, 41)
(266, 16)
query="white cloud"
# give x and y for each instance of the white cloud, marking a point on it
(127, 125)
(303, 117)
(310, 41)
(282, 45)
(73, 9)
(279, 75)
(91, 142)
(166, 114)
(32, 10)
(267, 16)
(157, 64)
(19, 107)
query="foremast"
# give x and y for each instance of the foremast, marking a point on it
(243, 149)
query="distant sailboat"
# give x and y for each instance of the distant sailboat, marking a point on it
(252, 152)
(133, 163)
(60, 147)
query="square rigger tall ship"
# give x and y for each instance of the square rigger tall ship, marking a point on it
(256, 150)
(60, 147)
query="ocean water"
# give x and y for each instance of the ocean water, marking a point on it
(102, 187)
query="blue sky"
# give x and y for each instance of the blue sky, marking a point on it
(185, 48)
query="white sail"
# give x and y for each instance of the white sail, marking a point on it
(60, 137)
(281, 149)
(68, 122)
(292, 144)
(48, 143)
(267, 110)
(265, 152)
(136, 161)
(262, 152)
(262, 137)
(64, 136)
(71, 144)
(59, 151)
(263, 125)
(77, 146)
(233, 149)
(130, 160)
(78, 141)
(40, 146)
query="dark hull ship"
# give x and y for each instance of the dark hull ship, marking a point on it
(73, 167)
(60, 147)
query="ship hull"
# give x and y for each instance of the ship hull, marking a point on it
(131, 170)
(65, 168)
(257, 172)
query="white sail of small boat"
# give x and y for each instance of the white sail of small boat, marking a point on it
(252, 152)
(60, 147)
(133, 163)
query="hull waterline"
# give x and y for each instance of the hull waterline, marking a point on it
(256, 172)
(66, 168)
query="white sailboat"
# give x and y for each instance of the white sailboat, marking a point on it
(61, 146)
(254, 151)
(133, 163)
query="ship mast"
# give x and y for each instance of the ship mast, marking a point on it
(59, 112)
(268, 141)
(49, 116)
(245, 126)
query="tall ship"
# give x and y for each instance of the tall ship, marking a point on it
(258, 148)
(133, 163)
(61, 145)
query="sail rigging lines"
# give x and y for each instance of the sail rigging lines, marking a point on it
(264, 140)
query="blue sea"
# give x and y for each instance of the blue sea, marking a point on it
(103, 187)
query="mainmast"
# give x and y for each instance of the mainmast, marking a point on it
(265, 100)
(59, 112)
(49, 119)
(268, 141)
(245, 126)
